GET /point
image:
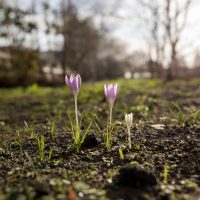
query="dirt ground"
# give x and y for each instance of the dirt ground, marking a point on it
(164, 162)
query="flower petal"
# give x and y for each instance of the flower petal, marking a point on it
(105, 90)
(78, 80)
(67, 80)
(116, 88)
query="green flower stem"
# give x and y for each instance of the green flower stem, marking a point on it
(110, 118)
(129, 137)
(76, 111)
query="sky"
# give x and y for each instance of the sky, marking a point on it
(126, 27)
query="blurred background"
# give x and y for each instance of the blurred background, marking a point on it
(42, 40)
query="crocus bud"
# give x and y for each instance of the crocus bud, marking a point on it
(111, 91)
(74, 83)
(129, 119)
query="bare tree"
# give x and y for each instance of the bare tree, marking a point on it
(80, 40)
(196, 61)
(174, 28)
(17, 28)
(156, 39)
(104, 11)
(167, 21)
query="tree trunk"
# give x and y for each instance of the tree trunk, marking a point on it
(64, 61)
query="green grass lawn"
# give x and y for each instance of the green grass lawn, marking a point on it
(166, 132)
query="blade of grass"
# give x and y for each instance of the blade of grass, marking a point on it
(85, 133)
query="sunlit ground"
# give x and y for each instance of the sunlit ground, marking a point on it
(39, 160)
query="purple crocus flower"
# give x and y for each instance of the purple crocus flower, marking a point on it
(74, 83)
(111, 92)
